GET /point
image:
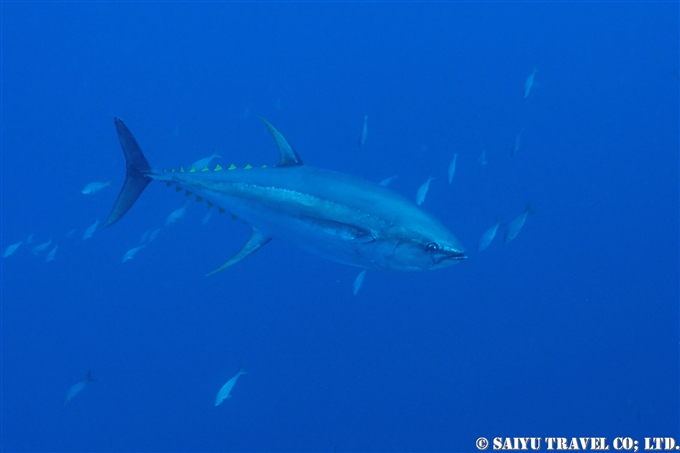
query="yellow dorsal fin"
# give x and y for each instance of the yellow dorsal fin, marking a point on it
(172, 170)
(232, 167)
(192, 169)
(181, 169)
(199, 199)
(205, 168)
(263, 166)
(248, 167)
(217, 167)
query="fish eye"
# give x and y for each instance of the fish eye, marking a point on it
(432, 247)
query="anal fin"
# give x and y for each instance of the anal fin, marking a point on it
(252, 245)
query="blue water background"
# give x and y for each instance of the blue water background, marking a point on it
(569, 330)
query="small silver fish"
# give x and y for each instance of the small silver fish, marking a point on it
(364, 132)
(452, 167)
(11, 249)
(488, 236)
(40, 248)
(515, 145)
(422, 191)
(226, 388)
(358, 282)
(144, 236)
(90, 230)
(176, 215)
(153, 235)
(131, 253)
(529, 83)
(95, 187)
(517, 224)
(50, 256)
(482, 159)
(206, 218)
(385, 182)
(77, 388)
(202, 163)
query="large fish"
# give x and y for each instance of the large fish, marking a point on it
(334, 215)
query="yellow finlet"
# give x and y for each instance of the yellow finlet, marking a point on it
(205, 168)
(263, 166)
(217, 167)
(181, 169)
(172, 170)
(232, 167)
(192, 169)
(248, 167)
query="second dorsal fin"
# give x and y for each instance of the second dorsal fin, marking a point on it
(289, 157)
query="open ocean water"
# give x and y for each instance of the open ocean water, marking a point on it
(568, 330)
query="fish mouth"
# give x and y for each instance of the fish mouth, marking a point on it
(452, 255)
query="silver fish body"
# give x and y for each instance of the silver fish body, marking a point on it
(488, 236)
(90, 230)
(334, 215)
(225, 391)
(529, 83)
(422, 191)
(11, 249)
(452, 168)
(95, 187)
(516, 225)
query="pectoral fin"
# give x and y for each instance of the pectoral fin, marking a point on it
(251, 246)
